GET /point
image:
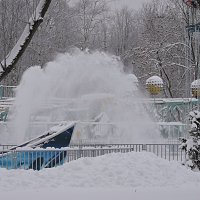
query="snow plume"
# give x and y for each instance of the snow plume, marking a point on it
(82, 86)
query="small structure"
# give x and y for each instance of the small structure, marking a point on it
(195, 88)
(154, 85)
(29, 155)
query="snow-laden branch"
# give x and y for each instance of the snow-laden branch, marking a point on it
(14, 55)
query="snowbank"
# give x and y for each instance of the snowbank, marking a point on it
(130, 170)
(114, 176)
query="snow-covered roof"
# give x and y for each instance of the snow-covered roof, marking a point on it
(171, 124)
(154, 80)
(54, 131)
(195, 84)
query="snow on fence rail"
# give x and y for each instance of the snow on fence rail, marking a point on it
(46, 158)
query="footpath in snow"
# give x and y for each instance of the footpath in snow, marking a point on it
(142, 175)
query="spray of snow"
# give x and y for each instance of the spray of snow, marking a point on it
(81, 86)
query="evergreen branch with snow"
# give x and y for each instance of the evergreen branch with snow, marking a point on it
(192, 145)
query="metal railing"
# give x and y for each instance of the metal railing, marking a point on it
(166, 151)
(7, 91)
(32, 159)
(46, 158)
(5, 147)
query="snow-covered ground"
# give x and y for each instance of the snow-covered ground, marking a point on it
(114, 176)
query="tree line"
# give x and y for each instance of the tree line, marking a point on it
(150, 41)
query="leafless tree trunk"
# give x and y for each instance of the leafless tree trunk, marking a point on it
(9, 62)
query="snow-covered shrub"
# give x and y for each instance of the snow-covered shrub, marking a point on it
(192, 144)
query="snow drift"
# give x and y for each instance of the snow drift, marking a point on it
(120, 170)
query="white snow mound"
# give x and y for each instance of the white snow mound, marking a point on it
(109, 171)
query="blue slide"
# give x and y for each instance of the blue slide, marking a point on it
(30, 155)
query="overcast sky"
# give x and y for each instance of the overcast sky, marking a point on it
(135, 4)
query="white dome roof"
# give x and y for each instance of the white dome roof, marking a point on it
(133, 78)
(154, 80)
(195, 84)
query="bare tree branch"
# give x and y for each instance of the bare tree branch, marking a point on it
(8, 64)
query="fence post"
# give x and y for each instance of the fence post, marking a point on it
(144, 147)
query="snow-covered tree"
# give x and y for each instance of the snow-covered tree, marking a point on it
(89, 15)
(161, 46)
(149, 42)
(9, 61)
(192, 144)
(122, 31)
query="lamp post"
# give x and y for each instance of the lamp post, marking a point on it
(154, 85)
